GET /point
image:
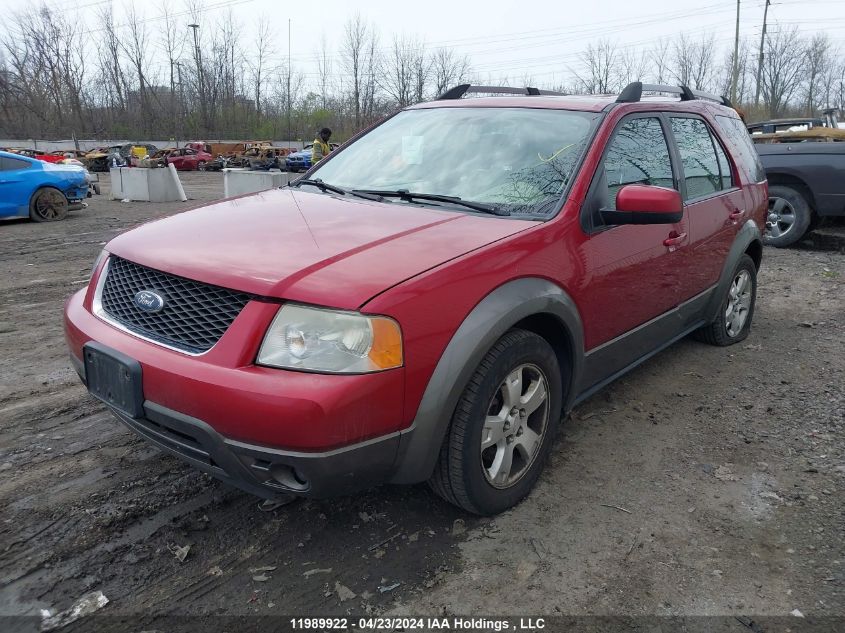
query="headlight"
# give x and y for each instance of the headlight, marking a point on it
(331, 341)
(103, 254)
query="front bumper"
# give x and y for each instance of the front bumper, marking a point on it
(263, 471)
(75, 193)
(242, 401)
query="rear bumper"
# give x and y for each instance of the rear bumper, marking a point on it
(260, 470)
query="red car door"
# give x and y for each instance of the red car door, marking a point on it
(715, 203)
(636, 269)
(175, 159)
(190, 159)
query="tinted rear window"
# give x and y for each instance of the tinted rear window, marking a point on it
(747, 159)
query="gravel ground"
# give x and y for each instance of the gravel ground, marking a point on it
(707, 482)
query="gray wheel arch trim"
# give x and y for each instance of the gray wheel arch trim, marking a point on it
(484, 325)
(747, 235)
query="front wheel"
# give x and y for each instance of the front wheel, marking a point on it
(201, 165)
(503, 426)
(48, 205)
(737, 308)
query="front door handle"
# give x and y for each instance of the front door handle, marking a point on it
(674, 239)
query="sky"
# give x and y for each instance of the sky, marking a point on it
(516, 39)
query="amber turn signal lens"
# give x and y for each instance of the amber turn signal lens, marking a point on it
(386, 350)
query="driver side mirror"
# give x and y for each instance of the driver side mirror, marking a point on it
(645, 204)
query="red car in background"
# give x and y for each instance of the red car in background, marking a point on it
(183, 159)
(37, 155)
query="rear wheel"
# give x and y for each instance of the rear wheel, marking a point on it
(737, 308)
(503, 426)
(789, 216)
(48, 205)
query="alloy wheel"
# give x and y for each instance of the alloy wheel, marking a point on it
(515, 425)
(781, 217)
(739, 303)
(50, 204)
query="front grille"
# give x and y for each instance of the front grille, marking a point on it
(194, 317)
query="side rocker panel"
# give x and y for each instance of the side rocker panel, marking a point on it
(488, 321)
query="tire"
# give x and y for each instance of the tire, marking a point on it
(201, 165)
(48, 205)
(736, 309)
(473, 476)
(789, 216)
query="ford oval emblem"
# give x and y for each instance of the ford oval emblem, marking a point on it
(149, 301)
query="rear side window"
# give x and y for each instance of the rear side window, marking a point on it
(637, 154)
(699, 157)
(748, 161)
(12, 164)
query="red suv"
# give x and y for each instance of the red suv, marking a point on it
(426, 303)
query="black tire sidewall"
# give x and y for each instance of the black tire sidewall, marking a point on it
(803, 215)
(33, 214)
(487, 499)
(746, 263)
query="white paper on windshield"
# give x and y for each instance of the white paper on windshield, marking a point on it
(412, 149)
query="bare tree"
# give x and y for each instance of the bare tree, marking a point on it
(448, 69)
(600, 64)
(745, 70)
(816, 62)
(659, 54)
(633, 66)
(830, 81)
(405, 71)
(783, 68)
(693, 60)
(354, 51)
(324, 70)
(134, 46)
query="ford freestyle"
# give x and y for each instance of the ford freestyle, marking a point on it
(429, 315)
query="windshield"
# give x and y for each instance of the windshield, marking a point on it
(515, 159)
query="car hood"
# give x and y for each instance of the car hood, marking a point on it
(303, 154)
(309, 247)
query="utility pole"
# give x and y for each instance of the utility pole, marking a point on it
(289, 130)
(173, 105)
(735, 76)
(181, 101)
(760, 56)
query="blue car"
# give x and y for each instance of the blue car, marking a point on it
(299, 161)
(43, 191)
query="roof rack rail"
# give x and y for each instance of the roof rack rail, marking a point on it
(459, 91)
(633, 92)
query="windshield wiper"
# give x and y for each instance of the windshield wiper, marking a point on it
(324, 187)
(408, 196)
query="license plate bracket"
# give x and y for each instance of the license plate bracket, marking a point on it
(114, 378)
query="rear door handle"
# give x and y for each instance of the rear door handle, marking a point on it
(736, 215)
(674, 239)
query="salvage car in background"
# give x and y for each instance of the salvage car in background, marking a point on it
(98, 159)
(183, 159)
(43, 191)
(36, 154)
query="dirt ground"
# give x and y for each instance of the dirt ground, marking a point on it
(707, 482)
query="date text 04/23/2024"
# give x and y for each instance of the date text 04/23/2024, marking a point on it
(457, 623)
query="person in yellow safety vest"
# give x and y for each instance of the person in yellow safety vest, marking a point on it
(321, 147)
